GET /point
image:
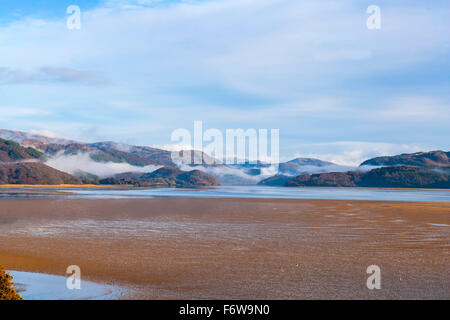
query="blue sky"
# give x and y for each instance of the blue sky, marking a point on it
(139, 69)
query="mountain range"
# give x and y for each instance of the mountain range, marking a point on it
(31, 158)
(24, 164)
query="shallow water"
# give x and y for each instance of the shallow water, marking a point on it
(255, 192)
(273, 193)
(39, 286)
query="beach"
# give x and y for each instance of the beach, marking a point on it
(234, 248)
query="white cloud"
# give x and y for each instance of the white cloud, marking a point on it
(47, 133)
(295, 54)
(51, 75)
(19, 112)
(268, 46)
(415, 109)
(342, 55)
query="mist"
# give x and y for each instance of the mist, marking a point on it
(83, 162)
(221, 172)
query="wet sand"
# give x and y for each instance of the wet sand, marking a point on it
(235, 248)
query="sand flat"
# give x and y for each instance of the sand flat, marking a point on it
(235, 248)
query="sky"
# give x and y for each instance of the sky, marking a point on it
(137, 70)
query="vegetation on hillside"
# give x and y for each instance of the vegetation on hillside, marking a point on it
(11, 151)
(385, 177)
(164, 177)
(419, 159)
(34, 173)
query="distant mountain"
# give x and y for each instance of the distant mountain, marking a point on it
(235, 180)
(109, 151)
(23, 137)
(96, 152)
(308, 162)
(11, 151)
(157, 156)
(419, 159)
(100, 152)
(104, 151)
(38, 173)
(164, 177)
(34, 173)
(291, 168)
(306, 165)
(385, 177)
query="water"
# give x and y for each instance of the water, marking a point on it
(260, 192)
(39, 286)
(255, 192)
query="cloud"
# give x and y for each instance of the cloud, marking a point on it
(415, 109)
(132, 4)
(173, 147)
(48, 134)
(300, 42)
(83, 162)
(20, 112)
(51, 75)
(222, 171)
(342, 55)
(246, 63)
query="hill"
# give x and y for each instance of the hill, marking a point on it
(96, 153)
(11, 151)
(278, 180)
(386, 177)
(406, 177)
(327, 179)
(299, 171)
(298, 165)
(159, 156)
(108, 151)
(419, 159)
(164, 177)
(34, 173)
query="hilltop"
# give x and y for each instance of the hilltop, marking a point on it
(419, 159)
